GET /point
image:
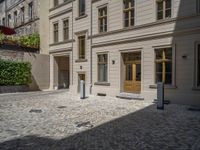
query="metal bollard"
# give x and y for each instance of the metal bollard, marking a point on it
(160, 95)
(82, 89)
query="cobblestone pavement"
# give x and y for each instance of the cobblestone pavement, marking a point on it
(59, 121)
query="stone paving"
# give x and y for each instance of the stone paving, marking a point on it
(59, 121)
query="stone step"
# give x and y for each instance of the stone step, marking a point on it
(130, 96)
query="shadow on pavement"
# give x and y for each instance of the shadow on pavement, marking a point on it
(148, 128)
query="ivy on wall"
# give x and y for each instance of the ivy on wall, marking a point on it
(29, 41)
(15, 73)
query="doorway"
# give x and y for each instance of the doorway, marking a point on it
(132, 72)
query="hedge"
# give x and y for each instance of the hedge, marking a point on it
(14, 73)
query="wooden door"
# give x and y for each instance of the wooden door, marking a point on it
(132, 77)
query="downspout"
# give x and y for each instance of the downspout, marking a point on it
(72, 39)
(91, 33)
(6, 7)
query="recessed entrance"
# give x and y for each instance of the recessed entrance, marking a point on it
(61, 72)
(132, 72)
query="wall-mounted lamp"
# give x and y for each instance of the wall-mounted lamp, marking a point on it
(184, 56)
(113, 62)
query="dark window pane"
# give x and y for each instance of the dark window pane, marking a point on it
(160, 10)
(129, 72)
(55, 3)
(159, 53)
(168, 67)
(158, 77)
(168, 78)
(168, 13)
(138, 72)
(168, 53)
(82, 47)
(105, 26)
(126, 23)
(159, 67)
(126, 4)
(168, 4)
(132, 17)
(81, 7)
(132, 3)
(160, 15)
(160, 6)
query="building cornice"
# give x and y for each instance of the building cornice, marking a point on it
(14, 5)
(148, 25)
(147, 37)
(26, 23)
(60, 13)
(61, 50)
(60, 43)
(63, 4)
(93, 1)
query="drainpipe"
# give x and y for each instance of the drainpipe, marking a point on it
(6, 14)
(91, 49)
(72, 39)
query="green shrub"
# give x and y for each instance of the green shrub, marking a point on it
(15, 73)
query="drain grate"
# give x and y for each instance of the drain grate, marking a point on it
(61, 107)
(35, 111)
(84, 124)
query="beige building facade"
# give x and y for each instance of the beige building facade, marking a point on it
(124, 47)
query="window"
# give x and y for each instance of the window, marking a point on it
(81, 7)
(22, 15)
(15, 18)
(30, 10)
(81, 53)
(103, 19)
(164, 65)
(163, 9)
(65, 29)
(9, 20)
(198, 65)
(129, 13)
(55, 3)
(55, 31)
(3, 21)
(103, 68)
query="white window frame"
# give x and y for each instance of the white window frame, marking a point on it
(156, 10)
(173, 46)
(108, 67)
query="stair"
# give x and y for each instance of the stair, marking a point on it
(130, 96)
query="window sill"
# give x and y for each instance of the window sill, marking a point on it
(154, 86)
(80, 17)
(102, 83)
(81, 60)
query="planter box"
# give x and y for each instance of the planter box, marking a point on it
(14, 89)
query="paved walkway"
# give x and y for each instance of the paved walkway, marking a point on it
(60, 121)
